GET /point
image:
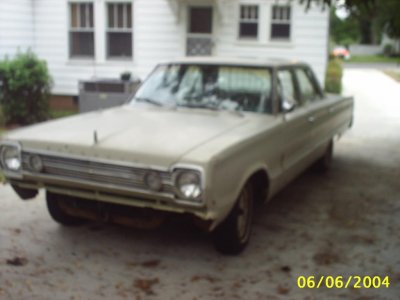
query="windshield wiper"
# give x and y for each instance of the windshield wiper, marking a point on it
(149, 100)
(199, 105)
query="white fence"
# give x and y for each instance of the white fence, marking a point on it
(366, 49)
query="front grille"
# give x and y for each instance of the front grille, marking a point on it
(95, 172)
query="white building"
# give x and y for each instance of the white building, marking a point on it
(82, 39)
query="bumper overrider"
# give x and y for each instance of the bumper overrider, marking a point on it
(179, 189)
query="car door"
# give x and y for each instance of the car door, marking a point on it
(296, 128)
(319, 111)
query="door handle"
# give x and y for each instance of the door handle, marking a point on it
(311, 119)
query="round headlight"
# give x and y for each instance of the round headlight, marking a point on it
(153, 181)
(189, 185)
(35, 163)
(11, 158)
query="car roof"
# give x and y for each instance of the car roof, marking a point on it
(240, 61)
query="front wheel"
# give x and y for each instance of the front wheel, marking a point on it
(56, 208)
(233, 234)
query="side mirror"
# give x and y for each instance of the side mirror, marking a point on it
(287, 105)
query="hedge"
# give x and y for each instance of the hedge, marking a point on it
(333, 77)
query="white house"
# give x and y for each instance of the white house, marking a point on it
(82, 39)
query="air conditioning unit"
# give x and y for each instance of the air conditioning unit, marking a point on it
(105, 93)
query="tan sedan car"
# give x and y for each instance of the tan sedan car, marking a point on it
(205, 137)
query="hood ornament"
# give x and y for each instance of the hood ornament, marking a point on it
(95, 139)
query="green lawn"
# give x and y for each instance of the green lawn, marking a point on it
(56, 114)
(373, 59)
(395, 75)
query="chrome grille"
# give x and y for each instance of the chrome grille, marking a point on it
(96, 172)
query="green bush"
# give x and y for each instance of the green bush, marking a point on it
(2, 121)
(333, 78)
(25, 89)
(388, 50)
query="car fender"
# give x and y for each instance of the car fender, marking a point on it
(224, 199)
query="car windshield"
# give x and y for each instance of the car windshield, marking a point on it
(239, 88)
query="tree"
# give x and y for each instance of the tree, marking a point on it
(372, 16)
(389, 17)
(343, 32)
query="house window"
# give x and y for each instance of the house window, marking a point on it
(248, 23)
(119, 30)
(280, 26)
(81, 32)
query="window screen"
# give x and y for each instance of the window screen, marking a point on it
(81, 32)
(280, 26)
(119, 30)
(248, 24)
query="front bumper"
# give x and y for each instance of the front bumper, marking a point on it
(109, 194)
(104, 181)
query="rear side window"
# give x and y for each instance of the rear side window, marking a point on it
(306, 86)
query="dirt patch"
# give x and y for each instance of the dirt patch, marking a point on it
(151, 263)
(146, 285)
(17, 261)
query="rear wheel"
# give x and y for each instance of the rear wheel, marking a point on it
(233, 234)
(57, 211)
(325, 162)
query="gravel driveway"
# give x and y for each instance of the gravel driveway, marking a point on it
(343, 223)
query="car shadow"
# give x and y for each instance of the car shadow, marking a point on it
(309, 209)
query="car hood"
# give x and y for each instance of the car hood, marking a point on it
(141, 134)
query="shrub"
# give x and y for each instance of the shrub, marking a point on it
(25, 89)
(388, 50)
(2, 121)
(333, 78)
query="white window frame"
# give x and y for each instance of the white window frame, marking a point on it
(249, 19)
(116, 29)
(282, 19)
(80, 28)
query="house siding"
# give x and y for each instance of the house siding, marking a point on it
(155, 38)
(16, 27)
(159, 29)
(308, 43)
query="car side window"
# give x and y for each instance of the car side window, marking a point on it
(306, 86)
(314, 80)
(287, 90)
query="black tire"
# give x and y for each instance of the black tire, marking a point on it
(325, 162)
(57, 212)
(233, 234)
(23, 193)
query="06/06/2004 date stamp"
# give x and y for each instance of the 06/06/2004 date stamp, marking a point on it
(341, 282)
